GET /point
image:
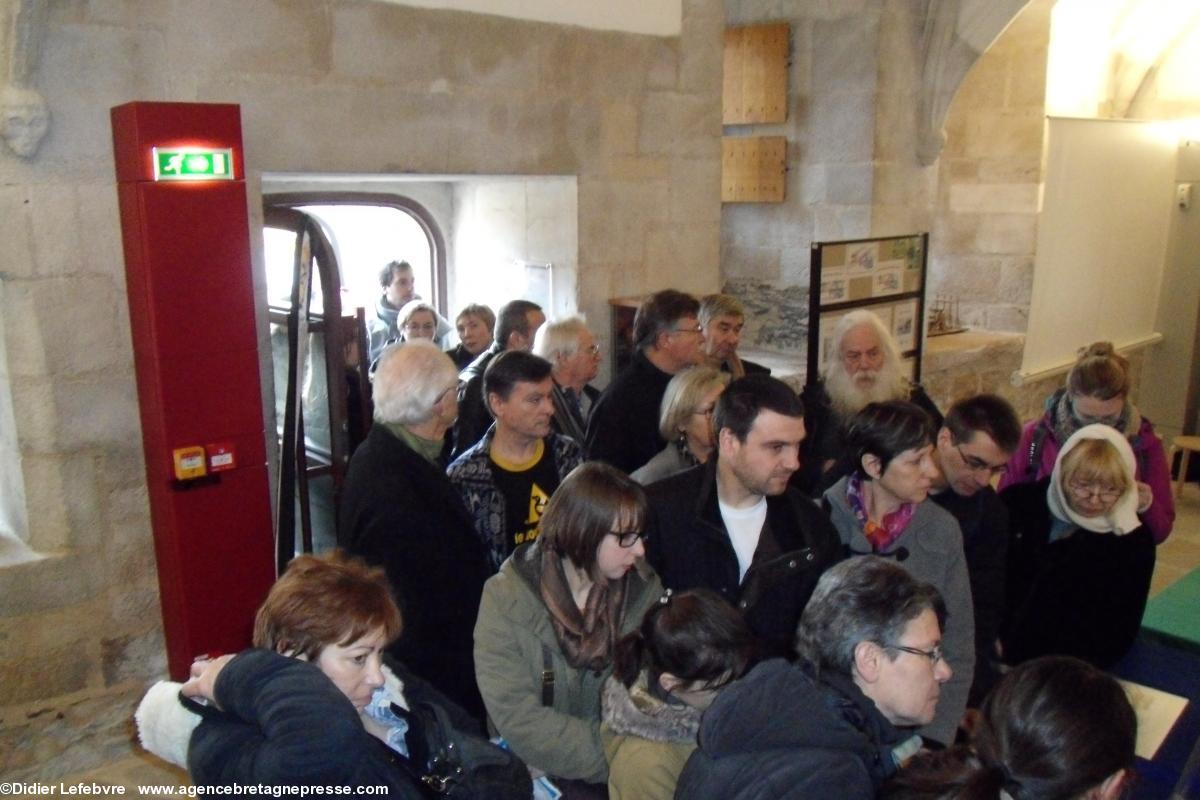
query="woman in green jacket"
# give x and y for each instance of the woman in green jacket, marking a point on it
(550, 619)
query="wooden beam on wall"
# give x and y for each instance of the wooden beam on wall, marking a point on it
(756, 74)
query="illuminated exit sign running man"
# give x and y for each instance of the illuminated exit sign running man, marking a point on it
(193, 164)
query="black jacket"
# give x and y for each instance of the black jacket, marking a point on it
(623, 428)
(688, 546)
(983, 519)
(473, 416)
(401, 512)
(1080, 596)
(567, 420)
(825, 438)
(781, 734)
(283, 723)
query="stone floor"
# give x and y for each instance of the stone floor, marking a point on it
(1176, 557)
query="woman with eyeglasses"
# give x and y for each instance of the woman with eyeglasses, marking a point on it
(417, 320)
(1097, 392)
(550, 619)
(882, 508)
(1079, 558)
(685, 421)
(666, 674)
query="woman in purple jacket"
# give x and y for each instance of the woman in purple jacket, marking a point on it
(1097, 391)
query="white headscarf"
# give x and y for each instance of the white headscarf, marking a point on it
(1122, 517)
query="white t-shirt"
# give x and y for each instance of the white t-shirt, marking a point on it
(744, 526)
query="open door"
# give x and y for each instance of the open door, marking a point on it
(322, 393)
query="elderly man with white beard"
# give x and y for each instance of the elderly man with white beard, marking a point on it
(867, 369)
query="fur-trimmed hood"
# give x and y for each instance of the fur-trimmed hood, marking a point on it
(635, 711)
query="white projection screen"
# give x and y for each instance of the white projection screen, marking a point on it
(1101, 242)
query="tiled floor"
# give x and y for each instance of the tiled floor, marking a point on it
(1180, 554)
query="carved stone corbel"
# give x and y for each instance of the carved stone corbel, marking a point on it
(937, 84)
(24, 115)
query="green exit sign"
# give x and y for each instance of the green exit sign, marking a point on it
(193, 164)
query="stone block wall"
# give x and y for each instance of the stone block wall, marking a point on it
(984, 231)
(343, 86)
(830, 131)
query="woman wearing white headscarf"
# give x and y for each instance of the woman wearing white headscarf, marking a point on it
(1079, 559)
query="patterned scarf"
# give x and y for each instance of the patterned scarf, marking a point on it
(882, 534)
(587, 638)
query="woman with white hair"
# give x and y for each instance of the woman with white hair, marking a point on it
(685, 421)
(1079, 558)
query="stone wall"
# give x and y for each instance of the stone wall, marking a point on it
(336, 86)
(984, 231)
(830, 131)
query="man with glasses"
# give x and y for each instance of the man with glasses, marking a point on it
(623, 429)
(400, 511)
(972, 449)
(507, 477)
(575, 360)
(732, 525)
(838, 723)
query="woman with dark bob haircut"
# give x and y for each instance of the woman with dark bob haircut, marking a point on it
(881, 508)
(1054, 728)
(550, 619)
(306, 706)
(690, 646)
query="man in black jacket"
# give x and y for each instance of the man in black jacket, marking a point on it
(733, 525)
(973, 446)
(623, 428)
(400, 511)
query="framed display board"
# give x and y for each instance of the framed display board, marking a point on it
(886, 276)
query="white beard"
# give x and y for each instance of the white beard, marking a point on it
(851, 395)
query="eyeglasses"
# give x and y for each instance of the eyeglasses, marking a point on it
(696, 329)
(593, 350)
(976, 464)
(705, 412)
(627, 538)
(935, 655)
(425, 327)
(1083, 491)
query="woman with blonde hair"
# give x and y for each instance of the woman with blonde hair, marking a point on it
(1080, 558)
(1097, 392)
(685, 421)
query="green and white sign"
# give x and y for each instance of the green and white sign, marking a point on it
(193, 164)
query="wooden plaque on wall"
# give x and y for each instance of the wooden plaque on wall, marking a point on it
(756, 65)
(753, 169)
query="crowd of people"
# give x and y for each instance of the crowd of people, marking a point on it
(699, 583)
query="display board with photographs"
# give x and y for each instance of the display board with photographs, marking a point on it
(885, 276)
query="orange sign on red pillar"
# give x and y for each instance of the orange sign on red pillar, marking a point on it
(186, 232)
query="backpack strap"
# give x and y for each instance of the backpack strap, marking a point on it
(547, 676)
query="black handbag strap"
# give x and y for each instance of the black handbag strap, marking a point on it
(547, 676)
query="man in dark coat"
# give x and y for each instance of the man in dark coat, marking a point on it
(399, 510)
(575, 360)
(863, 366)
(830, 725)
(723, 316)
(734, 526)
(973, 446)
(623, 428)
